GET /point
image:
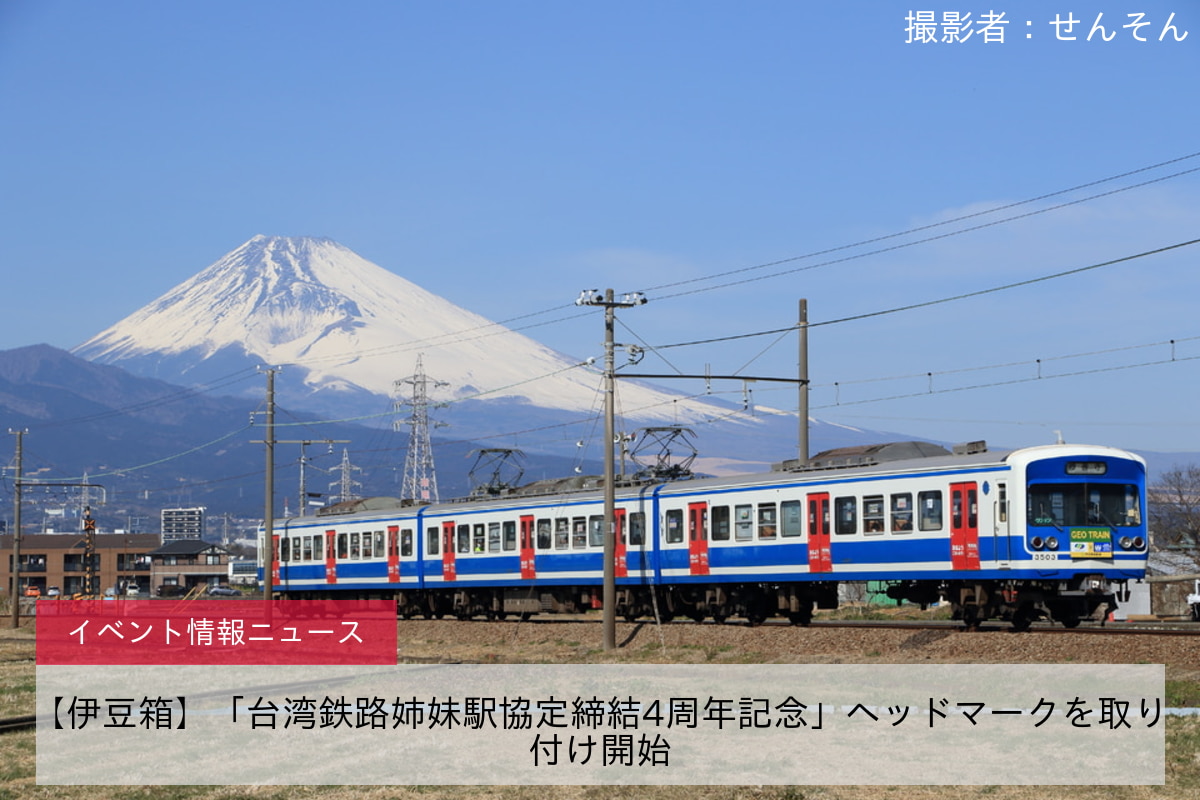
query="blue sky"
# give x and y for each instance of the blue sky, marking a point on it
(506, 155)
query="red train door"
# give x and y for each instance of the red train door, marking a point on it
(964, 526)
(621, 564)
(275, 559)
(449, 571)
(820, 557)
(528, 561)
(393, 553)
(698, 538)
(331, 556)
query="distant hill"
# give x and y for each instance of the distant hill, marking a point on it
(169, 445)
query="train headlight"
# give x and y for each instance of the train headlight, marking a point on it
(1051, 543)
(1139, 543)
(1125, 542)
(1036, 543)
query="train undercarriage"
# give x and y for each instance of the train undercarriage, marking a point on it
(1021, 602)
(753, 602)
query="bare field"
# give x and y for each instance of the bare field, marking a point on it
(579, 641)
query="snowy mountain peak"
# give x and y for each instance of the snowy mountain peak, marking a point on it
(350, 326)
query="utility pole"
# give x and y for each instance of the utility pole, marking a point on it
(89, 552)
(802, 326)
(16, 565)
(592, 297)
(269, 490)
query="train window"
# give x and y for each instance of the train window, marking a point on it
(930, 504)
(562, 533)
(354, 545)
(318, 546)
(464, 539)
(596, 531)
(306, 545)
(285, 549)
(543, 534)
(379, 544)
(1132, 506)
(1059, 504)
(743, 529)
(431, 541)
(1002, 501)
(510, 535)
(478, 539)
(406, 542)
(674, 526)
(720, 523)
(637, 529)
(368, 543)
(767, 521)
(972, 507)
(578, 533)
(493, 537)
(343, 545)
(902, 513)
(791, 517)
(296, 548)
(873, 514)
(845, 515)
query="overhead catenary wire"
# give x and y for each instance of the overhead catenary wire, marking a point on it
(938, 301)
(943, 223)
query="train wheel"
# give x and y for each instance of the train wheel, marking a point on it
(802, 617)
(970, 616)
(1023, 617)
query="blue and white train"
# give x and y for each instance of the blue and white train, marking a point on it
(1038, 532)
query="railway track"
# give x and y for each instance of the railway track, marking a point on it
(12, 724)
(1096, 628)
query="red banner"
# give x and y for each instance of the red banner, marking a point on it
(226, 631)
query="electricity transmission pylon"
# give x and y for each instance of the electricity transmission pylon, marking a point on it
(420, 477)
(346, 485)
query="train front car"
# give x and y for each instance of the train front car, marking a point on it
(1077, 530)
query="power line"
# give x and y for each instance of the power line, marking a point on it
(506, 326)
(156, 402)
(163, 460)
(1005, 365)
(1015, 381)
(939, 301)
(963, 218)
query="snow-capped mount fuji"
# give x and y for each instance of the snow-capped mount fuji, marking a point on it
(345, 330)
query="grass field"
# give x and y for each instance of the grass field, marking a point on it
(18, 774)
